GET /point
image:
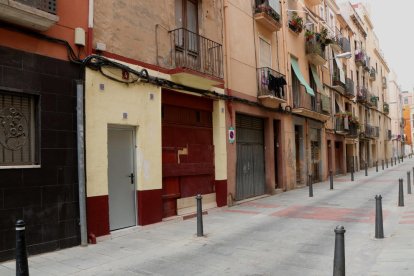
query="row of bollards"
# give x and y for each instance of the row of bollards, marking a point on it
(310, 186)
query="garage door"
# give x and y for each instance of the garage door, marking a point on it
(250, 170)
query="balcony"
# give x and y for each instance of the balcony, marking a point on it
(268, 15)
(376, 132)
(315, 51)
(317, 107)
(372, 74)
(359, 58)
(197, 61)
(341, 123)
(337, 83)
(367, 64)
(39, 15)
(384, 82)
(349, 88)
(386, 108)
(373, 101)
(369, 131)
(271, 91)
(353, 130)
(388, 134)
(362, 95)
(339, 43)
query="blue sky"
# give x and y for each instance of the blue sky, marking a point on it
(393, 24)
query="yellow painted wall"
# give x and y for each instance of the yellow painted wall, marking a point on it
(107, 107)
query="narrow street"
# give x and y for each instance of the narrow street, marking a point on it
(285, 234)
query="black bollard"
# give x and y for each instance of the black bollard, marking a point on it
(22, 267)
(401, 193)
(330, 180)
(402, 158)
(386, 163)
(376, 166)
(352, 173)
(310, 186)
(199, 216)
(413, 174)
(396, 160)
(379, 227)
(408, 183)
(382, 163)
(339, 255)
(366, 169)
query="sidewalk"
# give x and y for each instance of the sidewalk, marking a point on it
(285, 234)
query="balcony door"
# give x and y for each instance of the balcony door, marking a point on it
(186, 36)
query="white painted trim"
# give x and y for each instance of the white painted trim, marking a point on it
(20, 167)
(90, 14)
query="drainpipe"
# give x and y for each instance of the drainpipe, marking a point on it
(81, 161)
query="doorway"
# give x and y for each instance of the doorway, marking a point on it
(277, 151)
(121, 177)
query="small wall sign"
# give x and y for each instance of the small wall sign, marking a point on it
(232, 135)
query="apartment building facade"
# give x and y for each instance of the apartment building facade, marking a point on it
(155, 120)
(396, 108)
(39, 71)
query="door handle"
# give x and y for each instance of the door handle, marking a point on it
(132, 177)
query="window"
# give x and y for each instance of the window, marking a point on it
(405, 100)
(18, 129)
(265, 53)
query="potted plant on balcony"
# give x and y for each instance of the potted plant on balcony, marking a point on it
(323, 39)
(268, 10)
(309, 35)
(296, 23)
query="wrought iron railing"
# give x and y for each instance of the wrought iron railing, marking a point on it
(349, 87)
(193, 51)
(271, 83)
(376, 132)
(269, 9)
(353, 129)
(362, 94)
(384, 82)
(386, 108)
(336, 80)
(369, 131)
(372, 73)
(318, 103)
(388, 134)
(313, 46)
(360, 58)
(44, 5)
(341, 123)
(345, 45)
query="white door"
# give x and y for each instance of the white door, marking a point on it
(121, 178)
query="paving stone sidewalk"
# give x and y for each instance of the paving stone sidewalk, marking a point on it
(285, 234)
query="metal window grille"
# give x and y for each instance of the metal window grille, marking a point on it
(44, 5)
(17, 130)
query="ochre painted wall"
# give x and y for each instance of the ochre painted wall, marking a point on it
(107, 107)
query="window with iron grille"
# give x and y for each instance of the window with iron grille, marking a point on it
(18, 129)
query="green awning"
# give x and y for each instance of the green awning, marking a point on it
(316, 79)
(299, 75)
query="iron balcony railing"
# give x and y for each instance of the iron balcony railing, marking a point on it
(367, 65)
(376, 132)
(345, 45)
(341, 123)
(388, 134)
(336, 80)
(48, 6)
(318, 103)
(349, 88)
(193, 51)
(369, 131)
(313, 46)
(384, 82)
(372, 73)
(273, 10)
(362, 94)
(360, 58)
(373, 100)
(386, 108)
(271, 83)
(353, 130)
